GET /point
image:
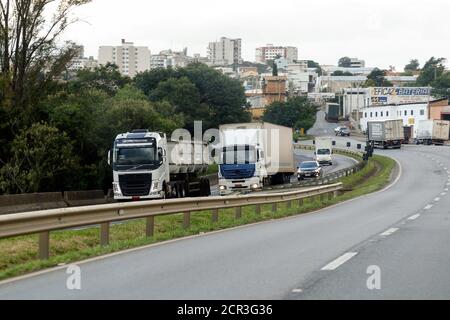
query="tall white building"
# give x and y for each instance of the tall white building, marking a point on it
(225, 52)
(129, 58)
(271, 52)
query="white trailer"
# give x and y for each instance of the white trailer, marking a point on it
(433, 132)
(253, 155)
(386, 133)
(147, 166)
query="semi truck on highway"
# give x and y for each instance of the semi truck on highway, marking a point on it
(386, 133)
(253, 155)
(324, 150)
(433, 132)
(147, 166)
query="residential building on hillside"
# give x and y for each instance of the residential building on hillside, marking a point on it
(271, 52)
(129, 58)
(225, 52)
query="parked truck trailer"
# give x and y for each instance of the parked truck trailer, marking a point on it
(386, 134)
(253, 155)
(433, 132)
(147, 166)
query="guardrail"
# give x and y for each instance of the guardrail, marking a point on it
(331, 177)
(43, 222)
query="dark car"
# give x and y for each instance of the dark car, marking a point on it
(309, 169)
(343, 132)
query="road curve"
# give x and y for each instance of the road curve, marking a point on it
(267, 260)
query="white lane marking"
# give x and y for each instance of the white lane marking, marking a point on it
(437, 199)
(428, 207)
(389, 232)
(443, 193)
(339, 261)
(446, 189)
(414, 217)
(297, 291)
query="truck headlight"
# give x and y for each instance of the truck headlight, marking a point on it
(255, 186)
(222, 188)
(116, 188)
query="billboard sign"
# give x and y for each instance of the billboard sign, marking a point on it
(399, 95)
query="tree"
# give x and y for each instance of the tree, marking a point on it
(345, 62)
(313, 64)
(295, 113)
(221, 99)
(106, 78)
(413, 65)
(431, 71)
(183, 95)
(275, 69)
(441, 87)
(342, 74)
(377, 79)
(42, 158)
(29, 55)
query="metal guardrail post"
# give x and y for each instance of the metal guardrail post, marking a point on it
(274, 207)
(104, 234)
(301, 202)
(289, 204)
(215, 215)
(44, 245)
(238, 212)
(335, 194)
(330, 196)
(258, 209)
(150, 227)
(186, 219)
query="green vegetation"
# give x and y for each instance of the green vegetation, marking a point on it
(19, 254)
(377, 78)
(63, 143)
(295, 113)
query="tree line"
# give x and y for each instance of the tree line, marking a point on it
(55, 134)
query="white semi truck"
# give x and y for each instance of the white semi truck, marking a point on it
(252, 155)
(433, 132)
(147, 166)
(324, 150)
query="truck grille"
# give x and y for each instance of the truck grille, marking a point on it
(236, 172)
(135, 185)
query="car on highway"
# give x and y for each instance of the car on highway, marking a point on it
(342, 131)
(309, 169)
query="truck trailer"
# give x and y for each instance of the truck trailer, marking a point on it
(147, 166)
(386, 133)
(253, 155)
(433, 132)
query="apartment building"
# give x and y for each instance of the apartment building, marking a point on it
(225, 52)
(129, 58)
(271, 52)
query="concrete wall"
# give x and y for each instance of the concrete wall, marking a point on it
(50, 200)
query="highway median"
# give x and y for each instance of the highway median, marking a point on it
(18, 255)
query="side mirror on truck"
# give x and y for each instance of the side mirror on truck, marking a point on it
(109, 157)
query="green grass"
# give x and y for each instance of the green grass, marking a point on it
(19, 255)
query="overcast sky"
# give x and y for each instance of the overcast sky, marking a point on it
(382, 32)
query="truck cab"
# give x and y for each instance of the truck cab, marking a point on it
(324, 151)
(140, 165)
(240, 168)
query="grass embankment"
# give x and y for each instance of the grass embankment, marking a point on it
(18, 255)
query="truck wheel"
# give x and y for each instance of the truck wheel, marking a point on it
(180, 190)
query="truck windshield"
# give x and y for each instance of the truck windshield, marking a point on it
(132, 156)
(322, 152)
(238, 155)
